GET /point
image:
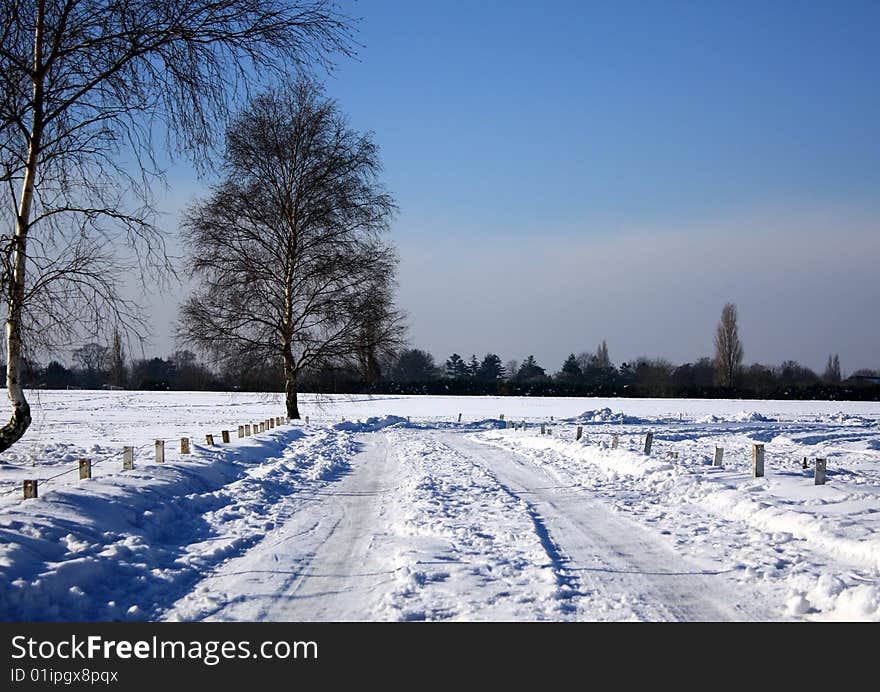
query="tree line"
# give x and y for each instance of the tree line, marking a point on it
(415, 371)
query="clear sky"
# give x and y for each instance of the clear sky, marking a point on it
(570, 171)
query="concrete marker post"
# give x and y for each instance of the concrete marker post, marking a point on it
(579, 433)
(127, 458)
(719, 456)
(757, 460)
(820, 471)
(615, 440)
(649, 440)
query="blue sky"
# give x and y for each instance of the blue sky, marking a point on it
(573, 171)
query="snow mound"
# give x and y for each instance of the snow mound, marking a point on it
(740, 417)
(370, 424)
(602, 415)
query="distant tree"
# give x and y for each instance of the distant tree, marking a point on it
(793, 375)
(530, 371)
(93, 360)
(56, 376)
(189, 374)
(759, 379)
(728, 348)
(152, 374)
(653, 377)
(414, 365)
(511, 367)
(490, 369)
(603, 361)
(473, 366)
(832, 370)
(571, 370)
(455, 367)
(118, 372)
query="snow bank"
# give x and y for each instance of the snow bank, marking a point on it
(122, 546)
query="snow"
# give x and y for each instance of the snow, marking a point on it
(387, 508)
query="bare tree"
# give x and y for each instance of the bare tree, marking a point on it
(288, 246)
(728, 348)
(116, 362)
(84, 85)
(832, 370)
(93, 360)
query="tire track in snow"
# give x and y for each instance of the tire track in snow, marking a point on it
(625, 571)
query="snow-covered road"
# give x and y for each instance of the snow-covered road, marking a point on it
(434, 525)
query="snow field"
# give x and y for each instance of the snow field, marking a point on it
(413, 524)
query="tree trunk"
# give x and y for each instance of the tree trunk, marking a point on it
(290, 374)
(21, 410)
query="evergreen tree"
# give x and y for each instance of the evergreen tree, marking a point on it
(456, 368)
(530, 370)
(473, 367)
(570, 369)
(490, 369)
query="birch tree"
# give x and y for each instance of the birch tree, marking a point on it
(287, 250)
(87, 87)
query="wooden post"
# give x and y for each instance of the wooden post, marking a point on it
(29, 489)
(820, 471)
(85, 469)
(501, 417)
(806, 466)
(649, 440)
(307, 420)
(240, 431)
(280, 422)
(542, 428)
(184, 445)
(262, 425)
(757, 461)
(270, 423)
(719, 456)
(160, 451)
(224, 435)
(459, 418)
(127, 458)
(580, 433)
(247, 430)
(209, 440)
(615, 440)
